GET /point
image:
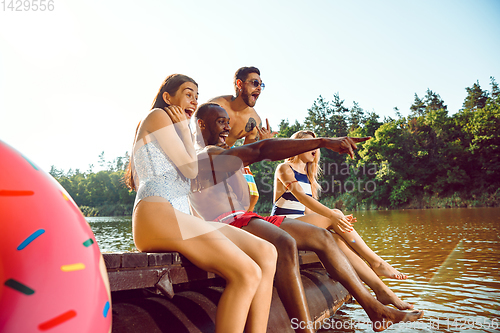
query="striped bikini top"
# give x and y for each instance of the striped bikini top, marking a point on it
(287, 204)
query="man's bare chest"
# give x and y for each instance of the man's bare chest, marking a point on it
(241, 126)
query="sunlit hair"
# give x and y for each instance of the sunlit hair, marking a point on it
(242, 74)
(312, 168)
(171, 85)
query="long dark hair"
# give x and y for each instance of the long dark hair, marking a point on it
(171, 85)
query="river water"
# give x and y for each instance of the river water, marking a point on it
(451, 256)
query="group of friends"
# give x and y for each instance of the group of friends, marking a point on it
(195, 195)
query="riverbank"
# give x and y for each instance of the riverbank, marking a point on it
(457, 200)
(344, 202)
(107, 210)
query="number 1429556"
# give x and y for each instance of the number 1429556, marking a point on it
(27, 5)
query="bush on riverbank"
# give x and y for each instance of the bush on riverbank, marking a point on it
(457, 200)
(100, 193)
(107, 210)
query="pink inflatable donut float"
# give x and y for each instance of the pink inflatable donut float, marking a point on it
(52, 274)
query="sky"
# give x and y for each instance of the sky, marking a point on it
(75, 81)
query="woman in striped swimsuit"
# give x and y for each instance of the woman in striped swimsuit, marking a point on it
(295, 195)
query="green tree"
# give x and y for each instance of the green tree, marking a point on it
(484, 129)
(495, 92)
(476, 97)
(102, 160)
(356, 117)
(99, 193)
(371, 124)
(286, 130)
(54, 172)
(418, 107)
(394, 154)
(317, 117)
(433, 102)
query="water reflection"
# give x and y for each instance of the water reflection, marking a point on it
(452, 257)
(113, 234)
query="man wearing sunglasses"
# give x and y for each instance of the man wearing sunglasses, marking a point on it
(244, 119)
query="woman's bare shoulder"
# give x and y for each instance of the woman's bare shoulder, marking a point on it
(283, 168)
(156, 119)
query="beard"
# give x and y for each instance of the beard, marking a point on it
(248, 99)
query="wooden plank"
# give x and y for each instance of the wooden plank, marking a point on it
(135, 278)
(149, 277)
(131, 260)
(308, 257)
(112, 260)
(187, 274)
(159, 259)
(127, 271)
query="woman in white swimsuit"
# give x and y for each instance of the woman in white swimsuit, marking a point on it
(295, 195)
(162, 163)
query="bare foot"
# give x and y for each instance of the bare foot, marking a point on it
(391, 298)
(391, 316)
(384, 269)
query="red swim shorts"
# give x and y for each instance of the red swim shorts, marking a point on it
(240, 218)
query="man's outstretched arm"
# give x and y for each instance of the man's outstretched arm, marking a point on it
(278, 149)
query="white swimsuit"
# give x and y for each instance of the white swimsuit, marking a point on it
(156, 175)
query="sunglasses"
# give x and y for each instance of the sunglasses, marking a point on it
(257, 83)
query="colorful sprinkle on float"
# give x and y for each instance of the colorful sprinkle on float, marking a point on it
(52, 275)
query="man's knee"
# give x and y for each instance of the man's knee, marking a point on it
(324, 239)
(286, 247)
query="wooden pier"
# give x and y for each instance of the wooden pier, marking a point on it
(164, 292)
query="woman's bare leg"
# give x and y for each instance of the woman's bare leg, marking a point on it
(288, 281)
(380, 266)
(368, 276)
(264, 254)
(158, 227)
